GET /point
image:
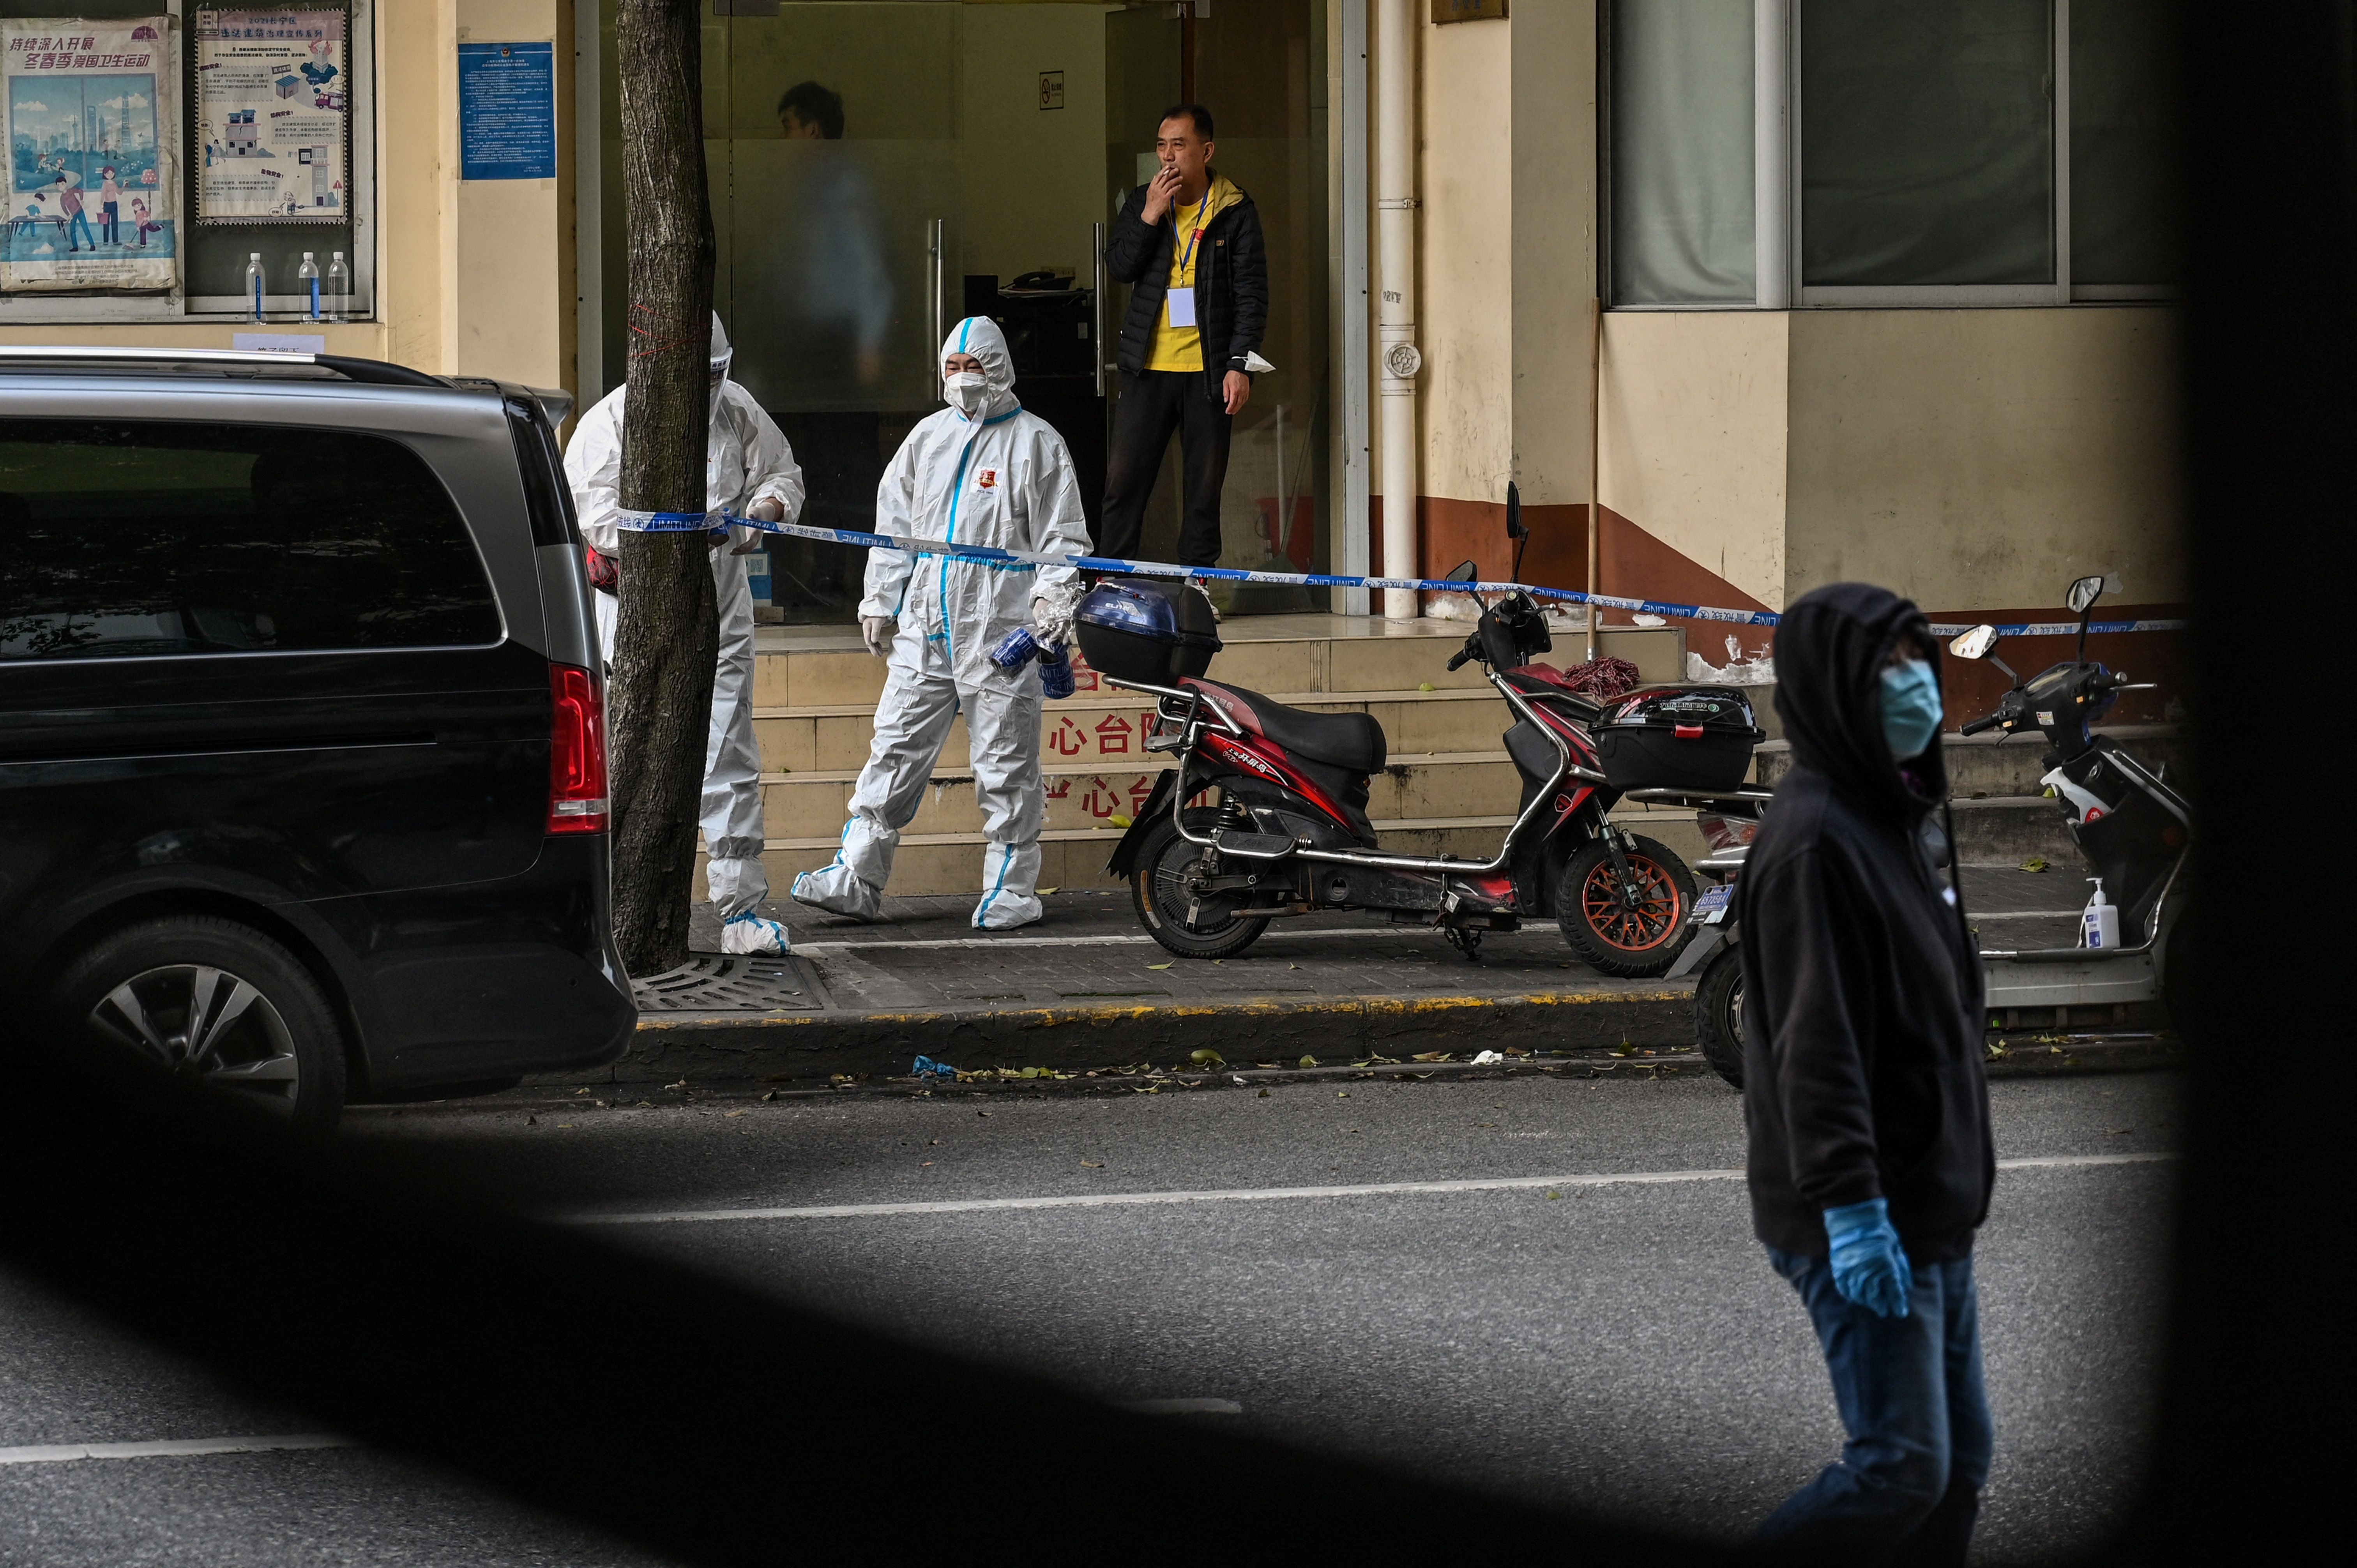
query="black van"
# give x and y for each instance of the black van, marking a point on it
(302, 750)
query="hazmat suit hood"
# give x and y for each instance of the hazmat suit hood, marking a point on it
(1829, 652)
(723, 355)
(980, 336)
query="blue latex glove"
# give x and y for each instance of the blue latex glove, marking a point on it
(1869, 1267)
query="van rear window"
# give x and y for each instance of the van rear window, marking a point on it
(146, 539)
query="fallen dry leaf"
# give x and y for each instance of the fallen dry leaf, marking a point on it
(1093, 1164)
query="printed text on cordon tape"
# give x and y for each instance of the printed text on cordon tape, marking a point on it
(684, 521)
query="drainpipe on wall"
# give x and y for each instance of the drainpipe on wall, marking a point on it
(1395, 234)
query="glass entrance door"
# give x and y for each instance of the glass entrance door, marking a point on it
(1260, 70)
(833, 146)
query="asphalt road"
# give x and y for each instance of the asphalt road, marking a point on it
(1619, 1345)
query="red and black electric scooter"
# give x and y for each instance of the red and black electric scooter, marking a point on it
(1265, 817)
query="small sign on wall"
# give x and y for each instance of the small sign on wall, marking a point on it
(507, 111)
(1468, 11)
(1051, 89)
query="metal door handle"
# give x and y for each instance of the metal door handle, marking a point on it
(937, 248)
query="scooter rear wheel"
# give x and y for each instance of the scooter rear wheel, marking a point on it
(1632, 939)
(1158, 891)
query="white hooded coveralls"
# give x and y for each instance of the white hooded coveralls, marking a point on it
(1003, 479)
(747, 459)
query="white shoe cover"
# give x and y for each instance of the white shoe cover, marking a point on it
(836, 890)
(1010, 872)
(737, 886)
(751, 933)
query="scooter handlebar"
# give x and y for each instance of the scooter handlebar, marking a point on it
(1979, 724)
(1462, 655)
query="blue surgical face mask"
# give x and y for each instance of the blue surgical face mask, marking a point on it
(1910, 707)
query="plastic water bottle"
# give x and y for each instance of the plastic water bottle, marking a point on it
(310, 274)
(253, 283)
(340, 289)
(2099, 923)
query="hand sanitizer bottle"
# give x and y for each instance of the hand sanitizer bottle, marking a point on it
(310, 274)
(2099, 923)
(253, 293)
(340, 289)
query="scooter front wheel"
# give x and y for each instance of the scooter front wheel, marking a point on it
(1635, 937)
(1160, 890)
(1719, 1012)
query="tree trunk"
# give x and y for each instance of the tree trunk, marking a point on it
(667, 636)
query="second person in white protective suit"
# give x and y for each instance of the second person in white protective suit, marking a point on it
(980, 471)
(750, 471)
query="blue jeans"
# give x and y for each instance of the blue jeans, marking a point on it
(1908, 1485)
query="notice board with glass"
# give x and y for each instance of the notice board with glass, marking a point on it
(253, 137)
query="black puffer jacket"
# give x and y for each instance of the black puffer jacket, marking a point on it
(1861, 987)
(1230, 284)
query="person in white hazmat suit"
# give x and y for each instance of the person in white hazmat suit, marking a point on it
(980, 471)
(748, 470)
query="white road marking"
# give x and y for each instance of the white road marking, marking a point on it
(171, 1448)
(1184, 1407)
(1256, 1193)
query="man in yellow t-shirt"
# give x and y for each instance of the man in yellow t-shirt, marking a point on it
(1191, 243)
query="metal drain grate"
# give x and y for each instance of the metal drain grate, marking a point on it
(717, 983)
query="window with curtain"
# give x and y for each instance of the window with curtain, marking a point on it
(1927, 149)
(1927, 141)
(2127, 106)
(1682, 156)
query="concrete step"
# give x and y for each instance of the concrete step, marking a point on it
(827, 667)
(1096, 728)
(805, 805)
(1993, 767)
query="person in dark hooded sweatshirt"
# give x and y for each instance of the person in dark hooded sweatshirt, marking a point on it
(1870, 1162)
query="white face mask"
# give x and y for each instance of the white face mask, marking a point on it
(969, 393)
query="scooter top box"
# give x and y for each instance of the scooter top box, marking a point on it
(1147, 632)
(1677, 737)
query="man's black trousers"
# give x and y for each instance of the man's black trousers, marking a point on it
(1152, 402)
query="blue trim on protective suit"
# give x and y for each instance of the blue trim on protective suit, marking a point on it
(1006, 858)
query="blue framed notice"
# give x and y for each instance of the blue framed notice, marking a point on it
(507, 111)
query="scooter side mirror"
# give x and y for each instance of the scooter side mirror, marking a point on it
(1976, 643)
(1466, 571)
(1515, 528)
(2084, 593)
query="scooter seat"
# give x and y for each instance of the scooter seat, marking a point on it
(1350, 741)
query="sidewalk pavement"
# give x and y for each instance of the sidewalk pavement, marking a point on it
(1087, 988)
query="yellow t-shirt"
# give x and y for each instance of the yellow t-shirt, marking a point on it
(1181, 347)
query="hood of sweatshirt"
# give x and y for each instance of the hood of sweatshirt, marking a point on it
(1829, 653)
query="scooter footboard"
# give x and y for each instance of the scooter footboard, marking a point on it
(2131, 977)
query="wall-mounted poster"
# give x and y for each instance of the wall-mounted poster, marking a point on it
(271, 110)
(91, 182)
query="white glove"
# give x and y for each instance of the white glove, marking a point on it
(877, 632)
(1051, 616)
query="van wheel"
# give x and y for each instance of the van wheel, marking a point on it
(1158, 891)
(217, 1002)
(1637, 936)
(1719, 1012)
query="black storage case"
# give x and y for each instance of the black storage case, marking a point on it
(1151, 659)
(1678, 737)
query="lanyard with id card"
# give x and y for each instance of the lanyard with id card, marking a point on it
(1180, 302)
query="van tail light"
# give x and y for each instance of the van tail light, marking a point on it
(576, 752)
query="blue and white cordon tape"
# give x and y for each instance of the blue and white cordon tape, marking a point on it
(697, 522)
